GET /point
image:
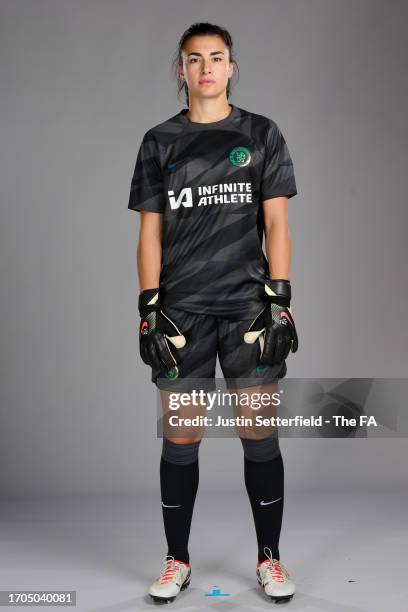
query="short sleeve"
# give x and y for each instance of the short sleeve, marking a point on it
(278, 177)
(146, 190)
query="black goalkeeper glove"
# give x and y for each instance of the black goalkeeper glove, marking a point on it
(276, 322)
(155, 330)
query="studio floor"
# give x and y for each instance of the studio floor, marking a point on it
(346, 550)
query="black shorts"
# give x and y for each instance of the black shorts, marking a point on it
(206, 336)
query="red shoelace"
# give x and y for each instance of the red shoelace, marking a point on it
(275, 569)
(168, 571)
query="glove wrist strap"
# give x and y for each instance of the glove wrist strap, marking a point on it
(278, 291)
(149, 300)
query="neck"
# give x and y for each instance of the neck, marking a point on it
(208, 110)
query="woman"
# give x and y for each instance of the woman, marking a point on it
(208, 183)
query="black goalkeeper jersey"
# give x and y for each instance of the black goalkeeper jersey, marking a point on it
(209, 180)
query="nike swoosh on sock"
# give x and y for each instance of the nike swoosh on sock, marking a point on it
(263, 503)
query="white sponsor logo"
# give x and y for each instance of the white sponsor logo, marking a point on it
(185, 198)
(223, 193)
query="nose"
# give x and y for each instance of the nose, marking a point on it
(206, 67)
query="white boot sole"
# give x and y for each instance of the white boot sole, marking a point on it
(276, 598)
(163, 600)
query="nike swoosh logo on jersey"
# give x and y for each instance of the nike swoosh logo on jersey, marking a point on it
(175, 164)
(271, 502)
(166, 506)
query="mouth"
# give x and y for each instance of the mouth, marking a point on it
(206, 82)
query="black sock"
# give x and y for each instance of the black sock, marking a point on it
(179, 484)
(265, 484)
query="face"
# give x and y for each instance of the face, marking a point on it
(206, 67)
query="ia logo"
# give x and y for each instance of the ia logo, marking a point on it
(185, 198)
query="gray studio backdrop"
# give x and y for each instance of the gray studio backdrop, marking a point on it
(80, 84)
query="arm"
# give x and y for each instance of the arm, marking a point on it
(156, 329)
(275, 320)
(278, 245)
(149, 250)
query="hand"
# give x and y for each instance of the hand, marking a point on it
(155, 332)
(276, 322)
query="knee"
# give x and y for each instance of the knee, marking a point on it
(264, 449)
(180, 453)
